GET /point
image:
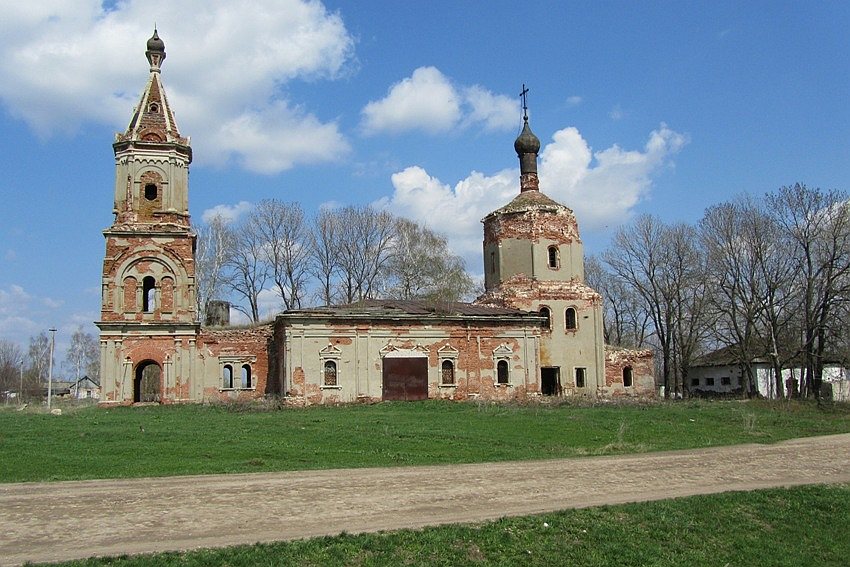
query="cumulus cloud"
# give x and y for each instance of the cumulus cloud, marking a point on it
(428, 101)
(75, 61)
(228, 213)
(602, 187)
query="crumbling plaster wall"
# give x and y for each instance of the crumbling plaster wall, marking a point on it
(358, 351)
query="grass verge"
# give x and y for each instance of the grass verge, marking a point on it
(130, 442)
(778, 527)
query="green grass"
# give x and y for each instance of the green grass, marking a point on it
(194, 439)
(798, 526)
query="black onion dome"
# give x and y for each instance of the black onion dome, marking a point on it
(154, 43)
(527, 142)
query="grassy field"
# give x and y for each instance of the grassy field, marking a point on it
(176, 440)
(778, 527)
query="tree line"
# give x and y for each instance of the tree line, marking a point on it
(763, 277)
(26, 371)
(338, 256)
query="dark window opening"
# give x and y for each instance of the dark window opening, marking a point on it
(545, 312)
(154, 107)
(246, 376)
(502, 372)
(330, 373)
(553, 257)
(550, 381)
(571, 319)
(580, 377)
(709, 381)
(694, 381)
(492, 262)
(726, 381)
(627, 377)
(227, 377)
(447, 372)
(150, 192)
(148, 294)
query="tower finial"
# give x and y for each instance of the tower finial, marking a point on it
(527, 145)
(524, 95)
(156, 51)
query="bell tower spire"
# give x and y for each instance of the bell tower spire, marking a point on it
(148, 306)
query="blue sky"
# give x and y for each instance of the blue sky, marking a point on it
(660, 107)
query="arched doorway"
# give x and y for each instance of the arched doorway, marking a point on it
(147, 385)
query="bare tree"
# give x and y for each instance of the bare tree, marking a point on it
(737, 286)
(83, 356)
(248, 266)
(11, 360)
(817, 226)
(686, 282)
(637, 258)
(212, 255)
(422, 266)
(661, 265)
(286, 237)
(325, 243)
(365, 248)
(625, 317)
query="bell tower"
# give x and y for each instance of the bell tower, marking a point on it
(148, 305)
(534, 260)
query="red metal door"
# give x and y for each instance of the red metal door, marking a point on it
(405, 379)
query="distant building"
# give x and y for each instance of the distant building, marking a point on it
(536, 331)
(720, 372)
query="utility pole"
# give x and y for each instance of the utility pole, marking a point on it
(21, 388)
(50, 367)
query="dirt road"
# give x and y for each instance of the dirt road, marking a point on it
(67, 520)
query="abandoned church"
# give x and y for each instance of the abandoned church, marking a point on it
(536, 330)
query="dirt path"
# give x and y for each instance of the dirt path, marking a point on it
(68, 520)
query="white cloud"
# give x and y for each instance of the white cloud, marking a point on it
(455, 211)
(228, 213)
(73, 61)
(495, 112)
(601, 187)
(277, 138)
(428, 101)
(574, 100)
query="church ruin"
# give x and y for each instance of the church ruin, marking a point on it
(535, 332)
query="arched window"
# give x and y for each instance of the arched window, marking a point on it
(447, 372)
(553, 257)
(329, 378)
(545, 312)
(502, 372)
(571, 319)
(627, 377)
(246, 376)
(148, 294)
(150, 192)
(227, 377)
